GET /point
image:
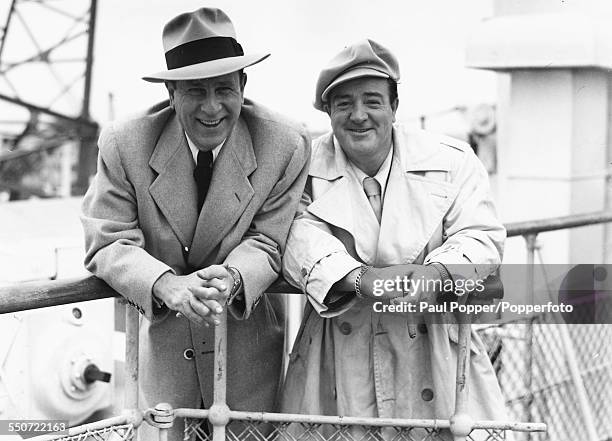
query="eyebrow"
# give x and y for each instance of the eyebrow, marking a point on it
(215, 84)
(366, 94)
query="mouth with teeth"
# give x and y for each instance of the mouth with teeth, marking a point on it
(359, 131)
(210, 123)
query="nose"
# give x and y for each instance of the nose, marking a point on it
(210, 105)
(358, 114)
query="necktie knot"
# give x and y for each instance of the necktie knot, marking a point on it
(371, 187)
(205, 159)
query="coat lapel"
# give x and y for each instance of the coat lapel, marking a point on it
(344, 203)
(174, 190)
(414, 204)
(230, 192)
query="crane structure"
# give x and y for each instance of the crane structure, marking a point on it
(46, 58)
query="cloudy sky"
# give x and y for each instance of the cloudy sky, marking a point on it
(429, 38)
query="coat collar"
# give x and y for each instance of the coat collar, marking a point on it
(419, 151)
(413, 203)
(175, 192)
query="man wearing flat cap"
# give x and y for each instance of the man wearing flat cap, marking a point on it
(383, 203)
(189, 211)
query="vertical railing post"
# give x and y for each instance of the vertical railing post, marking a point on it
(131, 358)
(219, 411)
(531, 243)
(461, 422)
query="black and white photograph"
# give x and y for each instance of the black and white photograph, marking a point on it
(305, 220)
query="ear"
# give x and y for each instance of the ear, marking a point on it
(243, 81)
(170, 87)
(394, 106)
(327, 109)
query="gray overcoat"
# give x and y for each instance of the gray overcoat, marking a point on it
(140, 220)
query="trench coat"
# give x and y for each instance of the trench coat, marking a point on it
(140, 220)
(354, 361)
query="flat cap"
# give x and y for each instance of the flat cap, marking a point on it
(366, 58)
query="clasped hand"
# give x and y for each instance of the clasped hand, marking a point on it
(199, 296)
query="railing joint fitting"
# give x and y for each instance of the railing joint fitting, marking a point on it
(161, 417)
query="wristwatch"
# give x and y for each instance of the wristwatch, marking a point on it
(236, 285)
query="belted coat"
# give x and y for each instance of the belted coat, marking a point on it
(357, 362)
(140, 220)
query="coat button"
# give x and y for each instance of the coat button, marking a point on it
(427, 394)
(345, 328)
(186, 249)
(188, 354)
(422, 328)
(304, 272)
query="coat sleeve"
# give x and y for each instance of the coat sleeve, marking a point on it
(315, 259)
(258, 256)
(114, 243)
(473, 236)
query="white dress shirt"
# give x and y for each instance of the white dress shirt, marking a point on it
(195, 150)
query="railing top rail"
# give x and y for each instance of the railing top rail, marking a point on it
(33, 295)
(557, 223)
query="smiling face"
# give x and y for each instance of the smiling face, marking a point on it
(362, 117)
(209, 108)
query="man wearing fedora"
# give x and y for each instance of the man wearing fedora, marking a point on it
(189, 211)
(384, 203)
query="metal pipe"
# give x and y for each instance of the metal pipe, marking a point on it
(33, 107)
(531, 244)
(461, 424)
(89, 60)
(87, 149)
(358, 421)
(6, 26)
(219, 411)
(557, 223)
(132, 319)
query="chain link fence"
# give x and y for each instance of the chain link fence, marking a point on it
(532, 362)
(243, 430)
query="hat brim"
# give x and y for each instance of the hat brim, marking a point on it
(352, 74)
(208, 69)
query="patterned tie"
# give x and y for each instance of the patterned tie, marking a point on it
(202, 175)
(372, 190)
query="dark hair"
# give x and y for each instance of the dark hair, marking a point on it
(392, 90)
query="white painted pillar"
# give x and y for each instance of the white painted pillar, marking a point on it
(554, 118)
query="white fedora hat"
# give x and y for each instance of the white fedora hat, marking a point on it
(202, 44)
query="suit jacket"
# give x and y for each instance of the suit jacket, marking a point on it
(140, 220)
(352, 360)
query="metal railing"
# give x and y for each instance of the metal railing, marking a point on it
(50, 293)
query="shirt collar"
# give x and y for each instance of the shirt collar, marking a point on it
(195, 150)
(381, 176)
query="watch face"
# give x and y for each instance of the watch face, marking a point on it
(236, 278)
